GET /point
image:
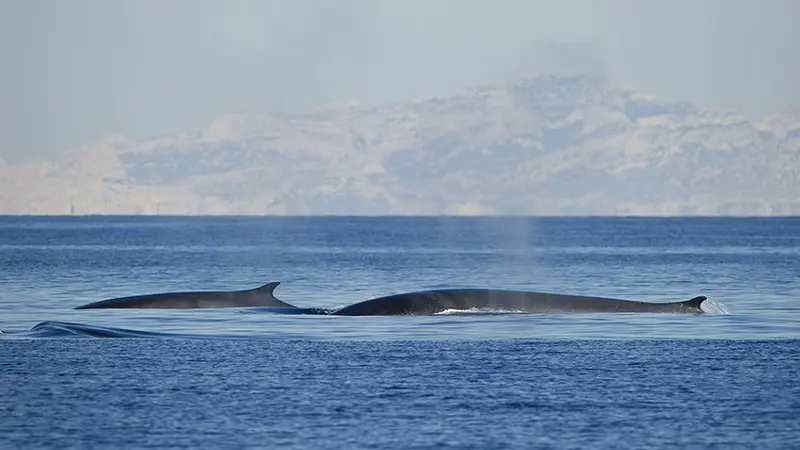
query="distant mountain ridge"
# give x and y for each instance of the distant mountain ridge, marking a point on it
(551, 145)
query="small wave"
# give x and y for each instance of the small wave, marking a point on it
(53, 329)
(713, 307)
(478, 311)
(302, 311)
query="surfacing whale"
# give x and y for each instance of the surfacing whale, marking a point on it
(436, 301)
(261, 296)
(410, 303)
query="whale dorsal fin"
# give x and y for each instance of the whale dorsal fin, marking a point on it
(268, 288)
(695, 302)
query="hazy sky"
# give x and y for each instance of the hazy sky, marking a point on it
(73, 70)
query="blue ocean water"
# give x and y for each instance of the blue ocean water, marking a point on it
(234, 378)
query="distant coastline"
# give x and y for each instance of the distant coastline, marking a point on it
(546, 146)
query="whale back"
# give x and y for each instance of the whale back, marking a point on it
(435, 301)
(261, 296)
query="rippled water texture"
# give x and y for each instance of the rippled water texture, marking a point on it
(252, 378)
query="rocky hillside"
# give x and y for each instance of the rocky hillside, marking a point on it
(543, 146)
